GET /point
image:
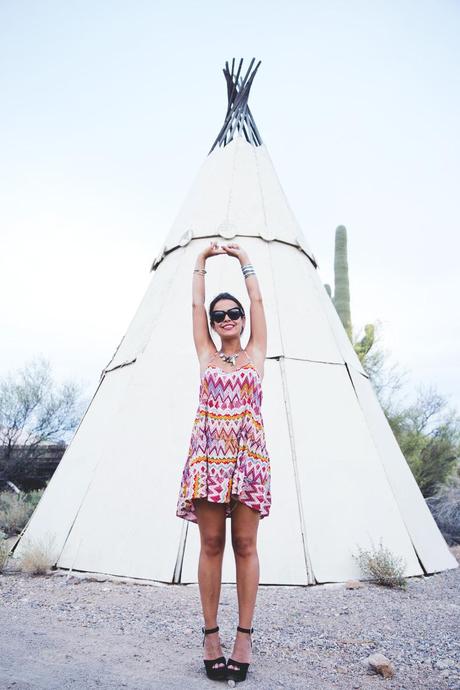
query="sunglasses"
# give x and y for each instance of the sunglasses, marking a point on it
(234, 314)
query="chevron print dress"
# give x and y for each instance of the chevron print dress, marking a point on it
(227, 457)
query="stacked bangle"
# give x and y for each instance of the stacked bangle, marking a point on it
(248, 270)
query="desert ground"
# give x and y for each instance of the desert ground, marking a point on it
(61, 631)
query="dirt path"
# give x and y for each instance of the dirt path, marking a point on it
(59, 633)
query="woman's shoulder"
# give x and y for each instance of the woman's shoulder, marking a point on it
(257, 359)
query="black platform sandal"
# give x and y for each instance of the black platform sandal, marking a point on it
(238, 674)
(220, 672)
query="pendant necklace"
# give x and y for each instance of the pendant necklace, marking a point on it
(230, 358)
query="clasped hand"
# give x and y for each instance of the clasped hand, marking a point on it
(230, 249)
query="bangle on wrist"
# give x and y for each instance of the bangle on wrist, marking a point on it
(248, 270)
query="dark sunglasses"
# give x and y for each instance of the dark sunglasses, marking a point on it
(234, 314)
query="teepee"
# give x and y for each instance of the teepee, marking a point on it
(339, 479)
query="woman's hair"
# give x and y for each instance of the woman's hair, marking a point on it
(224, 295)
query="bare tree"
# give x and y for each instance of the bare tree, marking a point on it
(34, 411)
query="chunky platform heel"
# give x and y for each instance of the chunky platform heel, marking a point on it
(220, 672)
(239, 673)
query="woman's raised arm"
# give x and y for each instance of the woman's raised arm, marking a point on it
(258, 338)
(201, 335)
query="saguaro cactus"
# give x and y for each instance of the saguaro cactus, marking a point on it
(341, 284)
(341, 297)
(363, 346)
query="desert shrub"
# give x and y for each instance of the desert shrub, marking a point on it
(4, 550)
(445, 508)
(32, 498)
(15, 511)
(382, 566)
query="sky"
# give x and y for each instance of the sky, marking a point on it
(109, 109)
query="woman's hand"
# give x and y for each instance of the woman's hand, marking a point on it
(237, 251)
(212, 250)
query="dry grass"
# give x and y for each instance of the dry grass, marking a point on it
(382, 566)
(4, 550)
(445, 508)
(14, 512)
(37, 557)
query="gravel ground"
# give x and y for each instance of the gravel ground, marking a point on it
(60, 632)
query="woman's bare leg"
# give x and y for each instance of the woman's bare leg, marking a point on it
(211, 522)
(245, 522)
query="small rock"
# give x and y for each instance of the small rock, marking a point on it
(380, 664)
(353, 584)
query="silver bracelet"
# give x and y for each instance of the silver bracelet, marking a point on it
(248, 270)
(200, 271)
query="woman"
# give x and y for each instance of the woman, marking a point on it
(227, 472)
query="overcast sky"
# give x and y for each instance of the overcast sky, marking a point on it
(109, 108)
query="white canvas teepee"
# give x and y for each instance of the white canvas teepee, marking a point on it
(339, 479)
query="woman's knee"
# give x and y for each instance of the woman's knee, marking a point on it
(244, 546)
(213, 544)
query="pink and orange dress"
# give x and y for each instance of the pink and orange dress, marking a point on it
(227, 457)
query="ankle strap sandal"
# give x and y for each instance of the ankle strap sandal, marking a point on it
(239, 673)
(212, 671)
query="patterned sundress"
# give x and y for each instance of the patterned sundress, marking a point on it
(227, 457)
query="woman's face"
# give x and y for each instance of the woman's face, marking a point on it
(227, 328)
